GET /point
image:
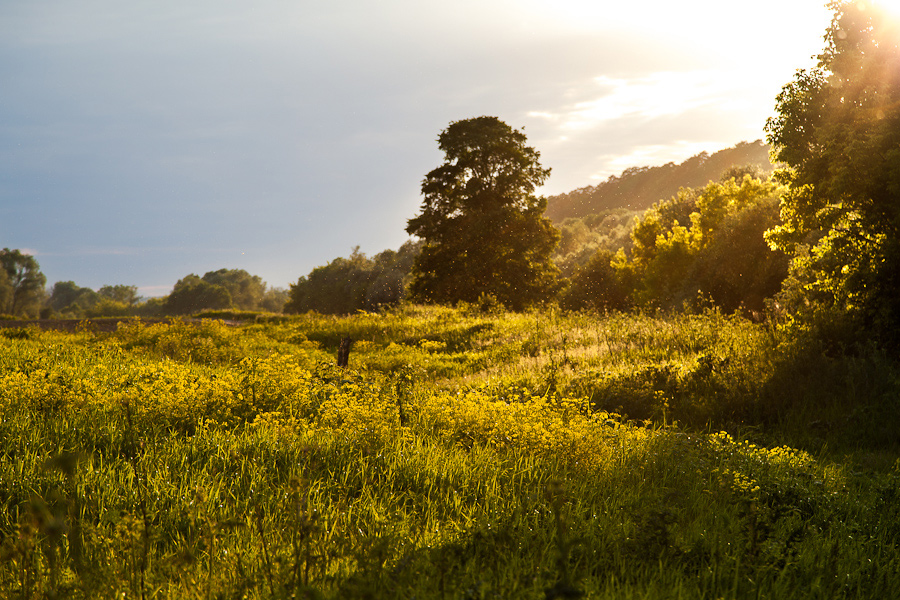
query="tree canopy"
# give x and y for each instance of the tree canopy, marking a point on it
(126, 294)
(69, 299)
(222, 289)
(837, 130)
(481, 223)
(705, 244)
(192, 294)
(346, 285)
(22, 288)
(638, 188)
(246, 290)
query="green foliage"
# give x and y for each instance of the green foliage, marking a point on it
(23, 286)
(582, 238)
(107, 307)
(188, 460)
(347, 285)
(482, 226)
(706, 245)
(124, 294)
(837, 130)
(595, 286)
(193, 294)
(222, 289)
(151, 307)
(70, 300)
(637, 188)
(246, 290)
(737, 269)
(273, 300)
(217, 290)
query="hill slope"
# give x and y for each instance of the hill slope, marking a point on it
(638, 188)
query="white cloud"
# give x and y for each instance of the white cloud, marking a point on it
(655, 95)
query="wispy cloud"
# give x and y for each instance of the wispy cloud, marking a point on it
(655, 95)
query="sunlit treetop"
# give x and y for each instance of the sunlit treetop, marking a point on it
(837, 126)
(837, 130)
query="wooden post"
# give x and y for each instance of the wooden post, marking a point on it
(343, 357)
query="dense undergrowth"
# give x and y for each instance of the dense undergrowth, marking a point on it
(461, 455)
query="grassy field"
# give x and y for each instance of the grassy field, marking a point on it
(461, 455)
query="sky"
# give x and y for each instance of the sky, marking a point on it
(142, 141)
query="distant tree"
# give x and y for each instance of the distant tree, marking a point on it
(107, 307)
(574, 234)
(637, 188)
(390, 275)
(274, 300)
(837, 128)
(336, 288)
(483, 228)
(125, 294)
(26, 282)
(69, 299)
(346, 285)
(661, 252)
(584, 237)
(738, 172)
(151, 307)
(6, 290)
(246, 290)
(193, 294)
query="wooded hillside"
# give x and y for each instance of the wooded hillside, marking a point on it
(637, 188)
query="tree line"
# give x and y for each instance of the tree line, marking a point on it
(23, 294)
(619, 259)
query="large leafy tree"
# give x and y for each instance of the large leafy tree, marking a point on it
(482, 225)
(25, 281)
(837, 130)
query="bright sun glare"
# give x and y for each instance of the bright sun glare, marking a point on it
(890, 6)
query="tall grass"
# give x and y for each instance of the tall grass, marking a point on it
(205, 461)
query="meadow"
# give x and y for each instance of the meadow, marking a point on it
(462, 454)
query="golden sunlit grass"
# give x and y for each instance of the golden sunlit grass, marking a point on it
(206, 461)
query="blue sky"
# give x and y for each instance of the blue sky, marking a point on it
(144, 140)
